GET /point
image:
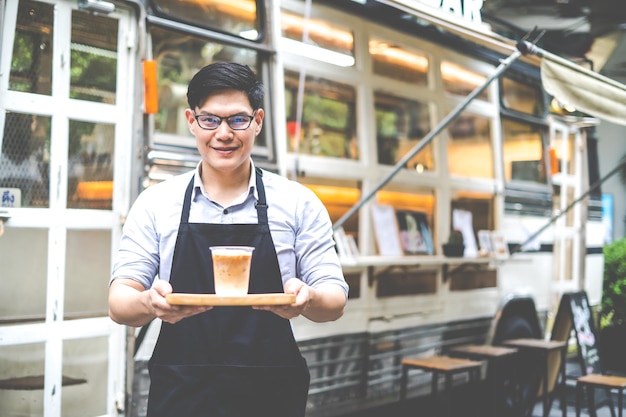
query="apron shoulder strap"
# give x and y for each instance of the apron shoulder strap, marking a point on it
(261, 204)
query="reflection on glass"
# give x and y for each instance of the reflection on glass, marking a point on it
(238, 17)
(31, 60)
(522, 97)
(21, 380)
(25, 161)
(398, 63)
(328, 117)
(93, 74)
(523, 152)
(470, 152)
(24, 274)
(85, 366)
(179, 56)
(400, 125)
(90, 165)
(324, 41)
(461, 81)
(85, 267)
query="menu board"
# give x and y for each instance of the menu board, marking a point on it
(575, 313)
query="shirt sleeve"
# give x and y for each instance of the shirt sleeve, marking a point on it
(317, 261)
(138, 254)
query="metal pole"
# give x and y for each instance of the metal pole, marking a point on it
(505, 64)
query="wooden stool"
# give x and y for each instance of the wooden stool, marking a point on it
(608, 382)
(544, 348)
(439, 365)
(496, 358)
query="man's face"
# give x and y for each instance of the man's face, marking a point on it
(224, 149)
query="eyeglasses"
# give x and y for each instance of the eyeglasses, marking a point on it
(212, 122)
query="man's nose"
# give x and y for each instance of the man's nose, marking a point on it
(223, 131)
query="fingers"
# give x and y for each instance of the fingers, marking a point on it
(167, 312)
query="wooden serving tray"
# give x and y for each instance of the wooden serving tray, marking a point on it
(221, 300)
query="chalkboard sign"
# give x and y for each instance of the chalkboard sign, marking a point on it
(575, 313)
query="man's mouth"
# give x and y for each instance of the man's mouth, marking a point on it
(226, 149)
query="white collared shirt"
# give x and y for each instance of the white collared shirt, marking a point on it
(299, 224)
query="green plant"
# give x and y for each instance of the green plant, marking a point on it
(455, 238)
(613, 305)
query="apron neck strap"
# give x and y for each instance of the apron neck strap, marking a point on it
(261, 205)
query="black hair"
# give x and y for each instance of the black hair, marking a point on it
(220, 76)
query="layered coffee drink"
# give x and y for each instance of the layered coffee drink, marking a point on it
(231, 269)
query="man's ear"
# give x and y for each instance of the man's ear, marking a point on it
(258, 118)
(190, 120)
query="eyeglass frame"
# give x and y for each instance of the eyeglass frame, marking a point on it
(226, 118)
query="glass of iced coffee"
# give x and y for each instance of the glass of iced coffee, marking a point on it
(231, 269)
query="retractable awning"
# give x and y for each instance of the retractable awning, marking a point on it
(587, 91)
(571, 84)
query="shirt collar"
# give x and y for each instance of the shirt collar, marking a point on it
(199, 187)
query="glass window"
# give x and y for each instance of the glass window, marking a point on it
(317, 39)
(23, 295)
(470, 151)
(482, 208)
(400, 125)
(327, 126)
(90, 164)
(25, 161)
(523, 152)
(179, 56)
(85, 366)
(85, 267)
(461, 81)
(93, 74)
(238, 17)
(414, 213)
(21, 379)
(398, 63)
(31, 62)
(522, 97)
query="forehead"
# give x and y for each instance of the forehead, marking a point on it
(226, 102)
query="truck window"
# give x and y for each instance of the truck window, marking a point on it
(241, 18)
(328, 117)
(398, 63)
(400, 125)
(470, 150)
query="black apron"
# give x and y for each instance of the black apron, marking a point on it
(228, 361)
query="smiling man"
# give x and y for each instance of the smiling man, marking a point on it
(226, 361)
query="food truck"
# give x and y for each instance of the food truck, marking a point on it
(416, 114)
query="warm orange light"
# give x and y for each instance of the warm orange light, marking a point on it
(94, 190)
(398, 56)
(456, 73)
(325, 35)
(554, 162)
(406, 201)
(150, 91)
(335, 195)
